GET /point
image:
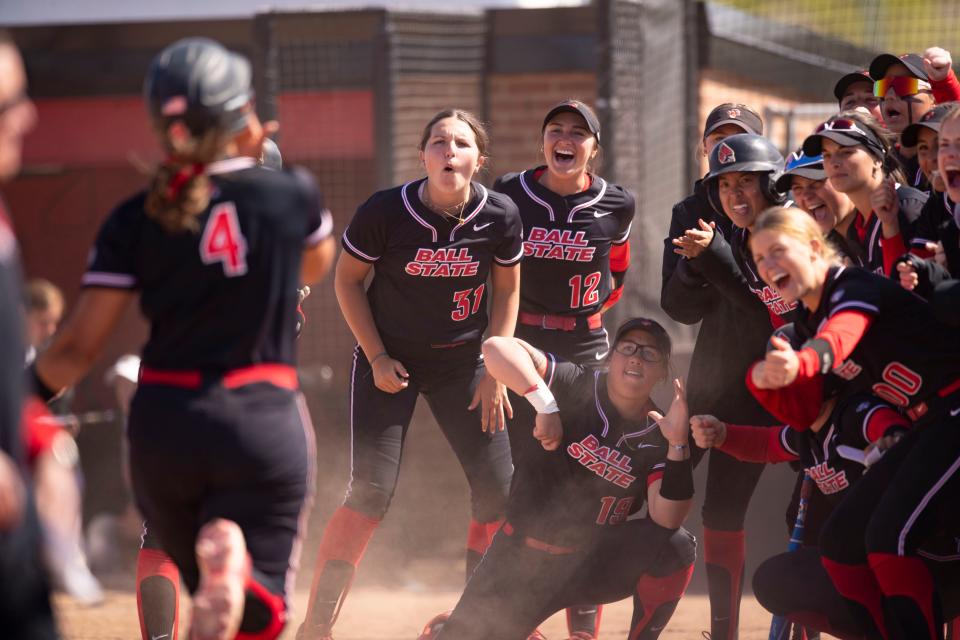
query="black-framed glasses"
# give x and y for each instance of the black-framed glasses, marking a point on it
(647, 353)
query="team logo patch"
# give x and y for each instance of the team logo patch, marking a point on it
(725, 154)
(733, 113)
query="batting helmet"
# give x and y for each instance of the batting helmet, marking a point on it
(748, 153)
(270, 156)
(200, 83)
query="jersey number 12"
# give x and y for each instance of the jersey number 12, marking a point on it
(583, 290)
(223, 241)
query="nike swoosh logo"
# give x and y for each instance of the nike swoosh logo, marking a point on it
(954, 412)
(648, 446)
(600, 214)
(600, 355)
(477, 227)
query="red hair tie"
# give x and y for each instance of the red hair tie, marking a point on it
(181, 178)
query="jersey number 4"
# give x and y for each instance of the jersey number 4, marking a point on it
(466, 307)
(223, 241)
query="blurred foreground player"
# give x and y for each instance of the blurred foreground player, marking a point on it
(220, 445)
(24, 595)
(575, 529)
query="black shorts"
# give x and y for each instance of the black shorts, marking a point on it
(245, 454)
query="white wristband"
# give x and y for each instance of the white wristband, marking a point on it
(542, 399)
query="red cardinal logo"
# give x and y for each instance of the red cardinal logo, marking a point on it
(733, 113)
(725, 154)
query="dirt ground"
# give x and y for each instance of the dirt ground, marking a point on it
(380, 614)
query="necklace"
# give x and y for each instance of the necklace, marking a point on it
(454, 212)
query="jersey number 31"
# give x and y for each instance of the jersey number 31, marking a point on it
(223, 241)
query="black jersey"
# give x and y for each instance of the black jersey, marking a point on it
(566, 242)
(905, 356)
(939, 222)
(857, 421)
(226, 296)
(865, 236)
(600, 474)
(781, 311)
(430, 270)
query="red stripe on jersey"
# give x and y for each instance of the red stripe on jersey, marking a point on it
(756, 444)
(881, 419)
(892, 248)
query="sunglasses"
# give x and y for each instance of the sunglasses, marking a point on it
(902, 86)
(647, 353)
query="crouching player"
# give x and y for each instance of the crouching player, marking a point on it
(574, 530)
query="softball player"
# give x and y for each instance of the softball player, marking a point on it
(432, 244)
(806, 181)
(576, 255)
(718, 365)
(574, 530)
(865, 332)
(859, 160)
(220, 447)
(855, 89)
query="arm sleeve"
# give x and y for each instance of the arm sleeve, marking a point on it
(892, 248)
(619, 263)
(797, 405)
(510, 249)
(880, 420)
(946, 90)
(761, 444)
(113, 259)
(366, 237)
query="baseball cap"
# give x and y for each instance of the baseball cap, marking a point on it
(575, 106)
(851, 78)
(912, 61)
(800, 164)
(732, 113)
(652, 327)
(930, 120)
(845, 132)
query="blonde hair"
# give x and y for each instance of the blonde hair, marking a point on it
(42, 295)
(798, 224)
(952, 113)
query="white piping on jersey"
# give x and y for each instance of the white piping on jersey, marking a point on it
(552, 366)
(938, 558)
(596, 397)
(483, 201)
(826, 442)
(293, 560)
(873, 238)
(512, 260)
(230, 164)
(625, 236)
(107, 279)
(785, 443)
(533, 196)
(347, 242)
(901, 540)
(853, 304)
(322, 231)
(637, 434)
(603, 190)
(866, 421)
(406, 203)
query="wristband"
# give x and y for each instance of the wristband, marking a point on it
(677, 482)
(377, 357)
(38, 386)
(542, 399)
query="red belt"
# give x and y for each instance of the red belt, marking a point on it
(561, 323)
(539, 545)
(921, 409)
(279, 375)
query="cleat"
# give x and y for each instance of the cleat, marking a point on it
(224, 569)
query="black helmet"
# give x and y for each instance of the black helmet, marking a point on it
(199, 82)
(751, 153)
(270, 156)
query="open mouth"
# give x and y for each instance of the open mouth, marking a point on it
(780, 281)
(891, 113)
(951, 176)
(562, 156)
(449, 169)
(633, 373)
(820, 213)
